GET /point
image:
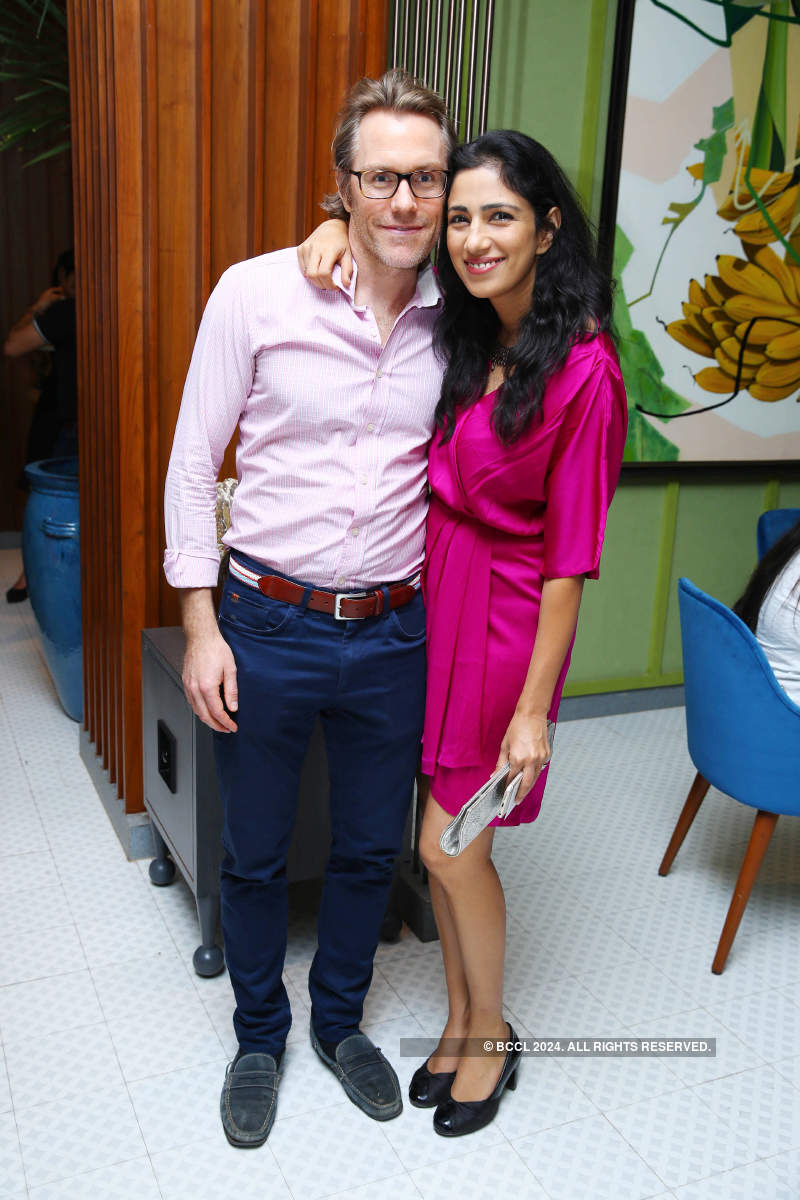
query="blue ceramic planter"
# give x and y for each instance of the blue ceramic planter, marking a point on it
(52, 557)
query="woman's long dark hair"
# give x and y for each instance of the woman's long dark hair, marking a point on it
(748, 606)
(571, 300)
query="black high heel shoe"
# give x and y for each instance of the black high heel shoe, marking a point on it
(429, 1088)
(454, 1118)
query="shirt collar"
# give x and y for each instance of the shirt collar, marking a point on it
(350, 292)
(426, 293)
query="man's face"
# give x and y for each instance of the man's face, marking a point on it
(399, 232)
(67, 283)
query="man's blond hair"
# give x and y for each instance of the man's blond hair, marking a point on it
(396, 91)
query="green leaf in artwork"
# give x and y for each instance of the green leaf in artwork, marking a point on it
(713, 149)
(723, 116)
(646, 444)
(656, 397)
(681, 208)
(623, 249)
(638, 354)
(623, 324)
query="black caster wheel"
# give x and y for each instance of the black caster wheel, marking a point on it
(161, 872)
(208, 961)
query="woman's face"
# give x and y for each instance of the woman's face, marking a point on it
(492, 238)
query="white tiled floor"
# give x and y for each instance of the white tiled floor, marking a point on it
(113, 1050)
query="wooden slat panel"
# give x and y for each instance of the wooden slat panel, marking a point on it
(201, 137)
(100, 507)
(90, 530)
(131, 232)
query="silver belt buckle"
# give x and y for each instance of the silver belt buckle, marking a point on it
(337, 604)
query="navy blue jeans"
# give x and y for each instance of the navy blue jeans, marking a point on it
(366, 681)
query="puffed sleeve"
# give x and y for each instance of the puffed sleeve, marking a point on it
(584, 466)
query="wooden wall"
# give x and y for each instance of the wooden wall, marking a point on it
(35, 226)
(201, 137)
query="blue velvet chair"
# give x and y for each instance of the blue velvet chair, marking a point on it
(772, 525)
(743, 733)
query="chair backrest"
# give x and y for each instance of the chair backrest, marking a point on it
(743, 730)
(772, 525)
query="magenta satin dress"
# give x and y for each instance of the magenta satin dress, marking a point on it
(503, 519)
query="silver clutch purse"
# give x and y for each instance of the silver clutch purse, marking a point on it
(495, 799)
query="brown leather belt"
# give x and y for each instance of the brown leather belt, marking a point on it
(344, 606)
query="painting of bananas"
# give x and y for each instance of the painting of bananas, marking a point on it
(707, 247)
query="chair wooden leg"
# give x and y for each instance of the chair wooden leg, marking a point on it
(756, 848)
(695, 798)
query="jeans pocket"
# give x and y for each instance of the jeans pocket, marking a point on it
(409, 619)
(251, 612)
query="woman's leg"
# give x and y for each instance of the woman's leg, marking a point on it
(457, 994)
(476, 906)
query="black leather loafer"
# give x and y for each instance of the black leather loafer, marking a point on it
(429, 1088)
(454, 1118)
(249, 1097)
(366, 1075)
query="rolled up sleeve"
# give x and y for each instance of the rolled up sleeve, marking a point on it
(218, 383)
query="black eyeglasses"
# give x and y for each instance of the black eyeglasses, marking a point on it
(381, 185)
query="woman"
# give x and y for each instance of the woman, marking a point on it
(770, 606)
(523, 465)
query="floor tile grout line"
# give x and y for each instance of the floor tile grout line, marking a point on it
(13, 1112)
(717, 1118)
(640, 1156)
(529, 1169)
(106, 1167)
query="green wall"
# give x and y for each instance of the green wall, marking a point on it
(551, 69)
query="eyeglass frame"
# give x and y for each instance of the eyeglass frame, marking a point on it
(402, 175)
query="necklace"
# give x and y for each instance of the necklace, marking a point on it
(500, 356)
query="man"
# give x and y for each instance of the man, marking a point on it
(334, 395)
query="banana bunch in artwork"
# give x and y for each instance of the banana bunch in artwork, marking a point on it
(747, 315)
(747, 318)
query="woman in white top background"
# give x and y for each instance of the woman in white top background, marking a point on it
(770, 606)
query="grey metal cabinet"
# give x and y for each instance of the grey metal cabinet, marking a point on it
(181, 797)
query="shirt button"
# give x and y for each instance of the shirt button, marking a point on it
(370, 427)
(340, 582)
(354, 532)
(363, 479)
(378, 373)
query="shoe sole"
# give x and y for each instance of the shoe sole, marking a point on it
(245, 1145)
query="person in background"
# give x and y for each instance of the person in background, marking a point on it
(769, 607)
(530, 434)
(50, 323)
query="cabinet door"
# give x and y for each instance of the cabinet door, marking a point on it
(168, 760)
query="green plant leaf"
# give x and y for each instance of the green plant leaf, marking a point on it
(51, 153)
(34, 57)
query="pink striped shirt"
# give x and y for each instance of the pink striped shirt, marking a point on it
(333, 431)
